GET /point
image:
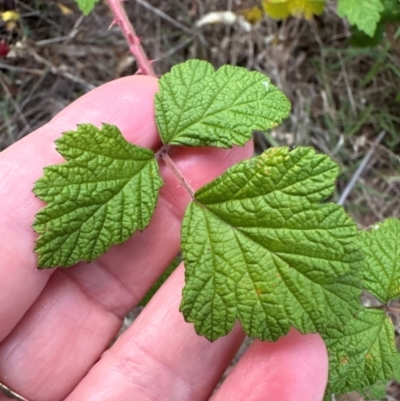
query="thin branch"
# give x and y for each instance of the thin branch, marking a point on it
(131, 38)
(162, 154)
(360, 169)
(157, 11)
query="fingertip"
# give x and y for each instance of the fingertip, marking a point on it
(294, 367)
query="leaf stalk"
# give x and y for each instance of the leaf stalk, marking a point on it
(162, 154)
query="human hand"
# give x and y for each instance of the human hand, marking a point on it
(56, 325)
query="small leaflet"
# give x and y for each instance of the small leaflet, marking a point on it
(107, 189)
(259, 246)
(86, 6)
(198, 106)
(363, 351)
(364, 15)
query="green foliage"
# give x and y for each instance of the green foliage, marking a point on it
(364, 14)
(382, 252)
(106, 191)
(363, 351)
(86, 6)
(259, 246)
(197, 106)
(259, 243)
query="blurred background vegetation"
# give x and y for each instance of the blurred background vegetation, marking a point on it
(342, 96)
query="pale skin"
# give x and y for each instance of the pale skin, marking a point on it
(56, 325)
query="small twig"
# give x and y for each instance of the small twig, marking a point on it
(11, 394)
(174, 49)
(21, 69)
(360, 169)
(162, 154)
(13, 102)
(131, 38)
(166, 17)
(348, 86)
(60, 70)
(71, 35)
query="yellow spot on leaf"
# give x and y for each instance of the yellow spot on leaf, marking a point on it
(344, 360)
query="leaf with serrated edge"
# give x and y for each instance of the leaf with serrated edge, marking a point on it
(363, 14)
(362, 352)
(107, 189)
(381, 247)
(198, 106)
(259, 246)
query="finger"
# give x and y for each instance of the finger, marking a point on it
(160, 357)
(108, 291)
(127, 103)
(293, 368)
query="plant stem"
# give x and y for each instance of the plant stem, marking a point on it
(146, 68)
(131, 38)
(163, 155)
(393, 309)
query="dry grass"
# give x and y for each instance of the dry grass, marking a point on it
(342, 97)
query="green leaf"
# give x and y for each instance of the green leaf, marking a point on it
(197, 106)
(86, 6)
(259, 246)
(107, 190)
(396, 368)
(360, 353)
(364, 14)
(381, 247)
(363, 352)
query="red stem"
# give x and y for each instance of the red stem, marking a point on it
(131, 38)
(146, 68)
(163, 155)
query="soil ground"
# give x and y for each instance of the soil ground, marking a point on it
(342, 96)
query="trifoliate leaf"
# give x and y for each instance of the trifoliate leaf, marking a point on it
(282, 9)
(363, 351)
(381, 247)
(259, 246)
(364, 14)
(198, 106)
(107, 189)
(86, 6)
